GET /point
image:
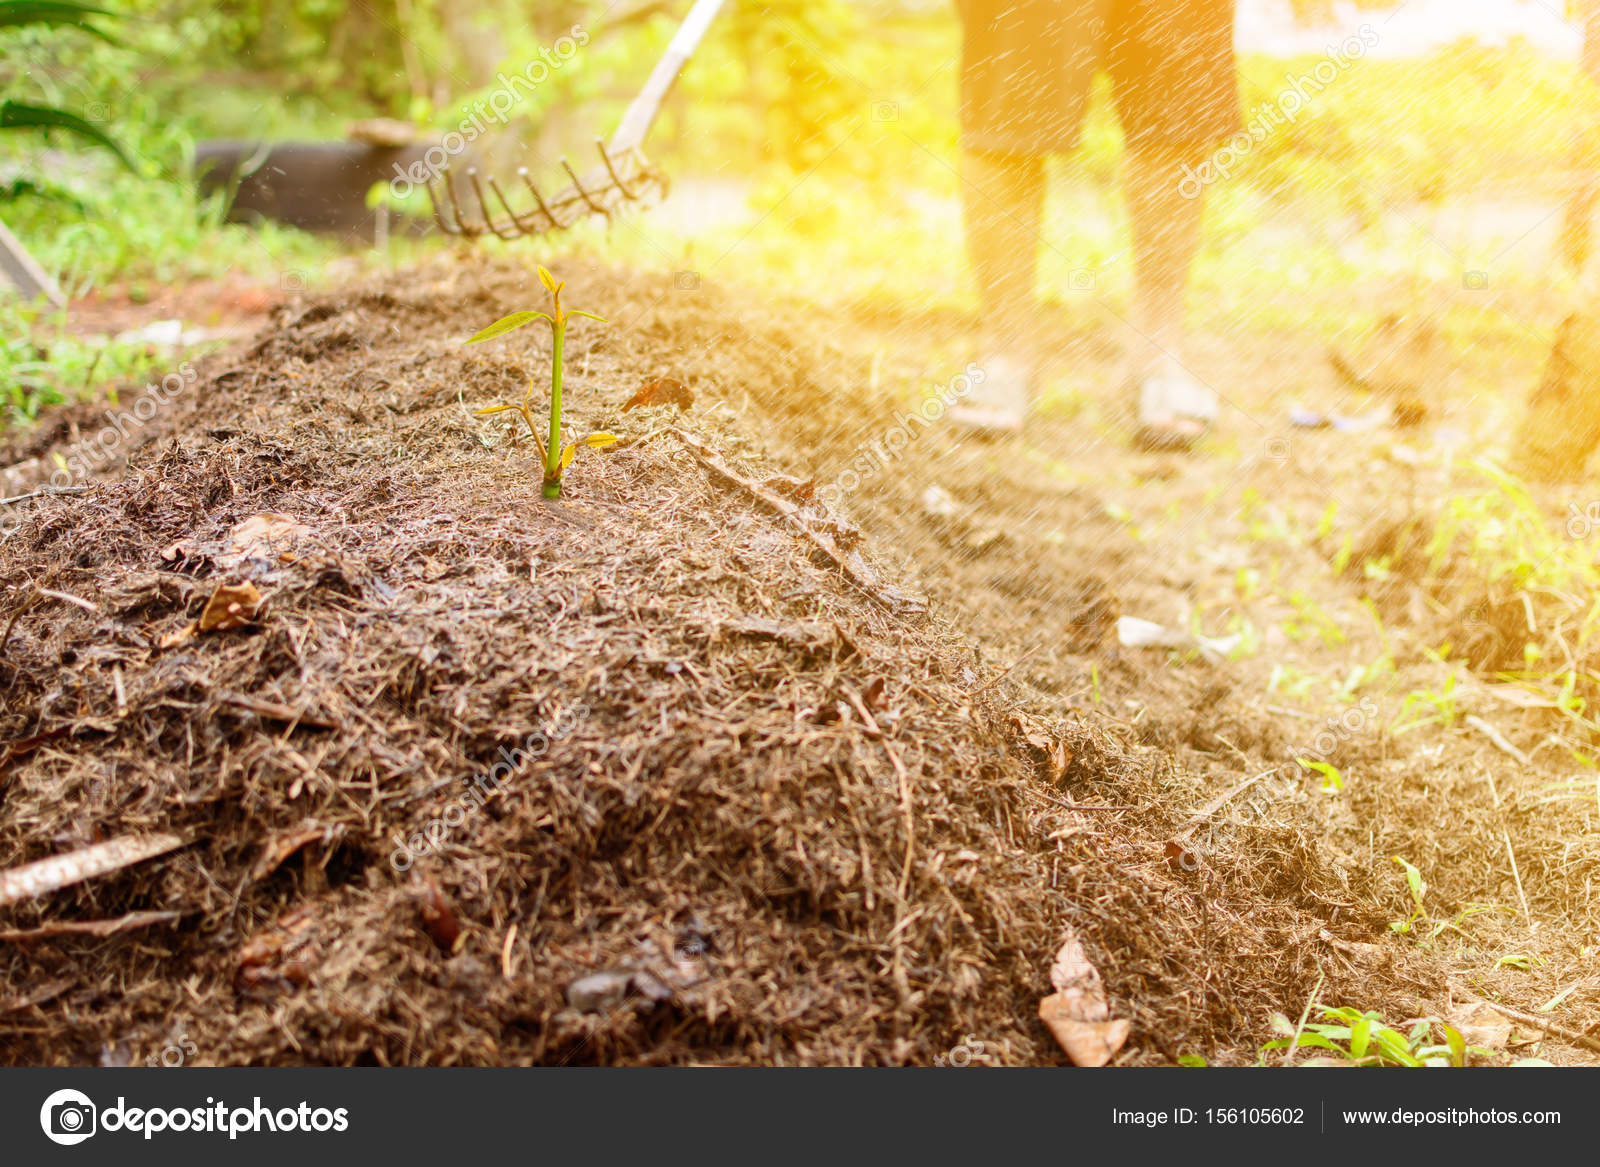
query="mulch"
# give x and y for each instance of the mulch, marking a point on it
(662, 773)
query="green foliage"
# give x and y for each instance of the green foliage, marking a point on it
(43, 363)
(1365, 1039)
(18, 13)
(18, 115)
(14, 115)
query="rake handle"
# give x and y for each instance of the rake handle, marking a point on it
(641, 114)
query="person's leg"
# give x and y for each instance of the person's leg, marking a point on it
(1175, 82)
(1166, 238)
(1002, 197)
(1026, 70)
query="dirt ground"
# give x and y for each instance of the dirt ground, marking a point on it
(768, 809)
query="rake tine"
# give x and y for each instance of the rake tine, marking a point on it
(483, 205)
(522, 228)
(555, 223)
(468, 229)
(445, 224)
(578, 186)
(612, 171)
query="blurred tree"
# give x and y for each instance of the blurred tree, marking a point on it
(790, 51)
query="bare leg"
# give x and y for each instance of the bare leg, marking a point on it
(1174, 408)
(1002, 199)
(1166, 239)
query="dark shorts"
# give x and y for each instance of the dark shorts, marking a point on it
(1028, 66)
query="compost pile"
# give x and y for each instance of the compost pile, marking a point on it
(657, 774)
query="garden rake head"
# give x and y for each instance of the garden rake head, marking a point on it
(619, 183)
(623, 179)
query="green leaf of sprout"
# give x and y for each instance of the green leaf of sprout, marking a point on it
(506, 324)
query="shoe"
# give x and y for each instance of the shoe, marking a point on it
(1175, 411)
(997, 405)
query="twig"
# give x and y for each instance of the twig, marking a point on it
(42, 492)
(1549, 1027)
(1217, 804)
(906, 805)
(98, 928)
(1517, 875)
(273, 711)
(907, 808)
(849, 562)
(1511, 854)
(505, 951)
(40, 878)
(1015, 665)
(11, 625)
(1498, 738)
(68, 597)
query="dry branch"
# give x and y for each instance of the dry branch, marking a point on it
(59, 871)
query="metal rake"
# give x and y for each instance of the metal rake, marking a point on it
(624, 178)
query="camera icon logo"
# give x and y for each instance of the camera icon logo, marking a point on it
(68, 1117)
(686, 281)
(1475, 281)
(292, 281)
(885, 111)
(1082, 279)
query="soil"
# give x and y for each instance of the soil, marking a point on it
(752, 807)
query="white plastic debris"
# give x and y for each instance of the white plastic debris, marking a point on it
(939, 503)
(1133, 632)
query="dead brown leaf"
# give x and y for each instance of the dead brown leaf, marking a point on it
(439, 918)
(799, 489)
(276, 850)
(268, 536)
(1087, 1043)
(1480, 1025)
(230, 606)
(661, 391)
(263, 536)
(173, 639)
(1077, 1013)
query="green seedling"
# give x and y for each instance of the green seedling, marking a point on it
(1332, 780)
(556, 456)
(1418, 888)
(1364, 1039)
